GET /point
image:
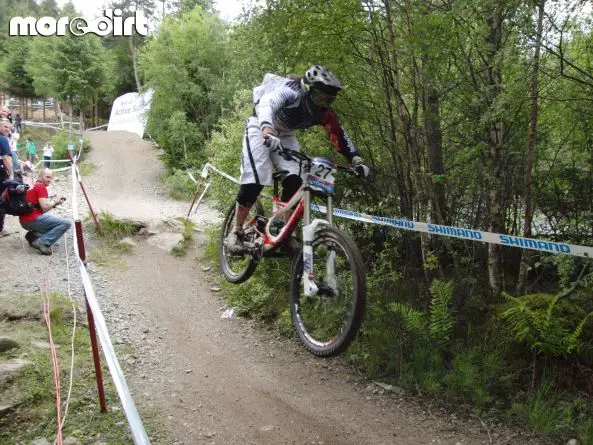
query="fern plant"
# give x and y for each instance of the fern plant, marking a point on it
(540, 329)
(441, 316)
(437, 327)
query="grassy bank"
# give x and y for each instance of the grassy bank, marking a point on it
(35, 415)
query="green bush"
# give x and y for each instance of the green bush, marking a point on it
(223, 150)
(474, 373)
(60, 144)
(541, 329)
(187, 64)
(178, 185)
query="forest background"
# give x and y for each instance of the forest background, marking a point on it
(471, 113)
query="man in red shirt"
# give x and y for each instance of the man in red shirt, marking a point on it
(44, 230)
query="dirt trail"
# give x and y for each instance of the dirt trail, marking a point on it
(229, 382)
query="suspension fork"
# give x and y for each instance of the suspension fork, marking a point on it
(309, 229)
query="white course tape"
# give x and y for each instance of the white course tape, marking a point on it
(136, 426)
(97, 128)
(456, 232)
(221, 173)
(459, 232)
(192, 177)
(55, 126)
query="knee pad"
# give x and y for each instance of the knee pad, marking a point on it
(248, 194)
(290, 185)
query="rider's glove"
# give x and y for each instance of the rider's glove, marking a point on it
(360, 168)
(272, 142)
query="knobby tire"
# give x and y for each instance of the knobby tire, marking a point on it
(342, 340)
(227, 226)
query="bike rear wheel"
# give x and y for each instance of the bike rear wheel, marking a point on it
(237, 268)
(328, 322)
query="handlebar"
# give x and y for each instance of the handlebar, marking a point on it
(288, 154)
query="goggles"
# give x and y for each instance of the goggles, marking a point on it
(321, 99)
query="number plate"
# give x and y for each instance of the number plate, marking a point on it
(321, 177)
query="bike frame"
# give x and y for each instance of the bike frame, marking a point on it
(300, 202)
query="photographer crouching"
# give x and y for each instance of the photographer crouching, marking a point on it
(43, 230)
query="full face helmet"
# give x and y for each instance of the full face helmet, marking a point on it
(322, 84)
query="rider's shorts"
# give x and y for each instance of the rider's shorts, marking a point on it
(256, 159)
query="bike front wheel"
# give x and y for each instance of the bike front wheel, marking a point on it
(328, 322)
(237, 268)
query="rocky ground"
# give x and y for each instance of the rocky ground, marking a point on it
(211, 380)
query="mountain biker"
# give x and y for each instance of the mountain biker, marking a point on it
(285, 106)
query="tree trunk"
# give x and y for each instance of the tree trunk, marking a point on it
(410, 131)
(496, 211)
(434, 140)
(531, 143)
(58, 112)
(135, 63)
(405, 201)
(70, 123)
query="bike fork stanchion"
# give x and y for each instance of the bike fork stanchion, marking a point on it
(91, 320)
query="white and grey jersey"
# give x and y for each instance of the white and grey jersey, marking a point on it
(286, 107)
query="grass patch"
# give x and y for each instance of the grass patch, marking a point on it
(178, 185)
(35, 415)
(109, 248)
(188, 235)
(88, 169)
(547, 411)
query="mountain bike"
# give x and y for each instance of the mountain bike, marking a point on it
(328, 281)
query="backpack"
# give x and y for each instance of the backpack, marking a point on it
(13, 198)
(269, 83)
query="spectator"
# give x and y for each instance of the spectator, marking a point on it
(6, 171)
(14, 148)
(43, 230)
(5, 113)
(48, 151)
(30, 151)
(18, 123)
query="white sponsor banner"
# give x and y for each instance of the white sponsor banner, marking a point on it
(130, 112)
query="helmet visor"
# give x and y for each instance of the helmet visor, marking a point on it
(322, 99)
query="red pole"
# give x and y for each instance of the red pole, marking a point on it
(81, 251)
(92, 331)
(195, 197)
(97, 226)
